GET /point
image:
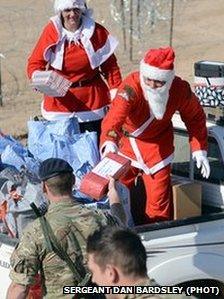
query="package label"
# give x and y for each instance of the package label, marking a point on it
(107, 167)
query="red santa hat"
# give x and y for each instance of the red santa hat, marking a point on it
(158, 64)
(60, 5)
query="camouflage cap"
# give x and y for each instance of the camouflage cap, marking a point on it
(52, 167)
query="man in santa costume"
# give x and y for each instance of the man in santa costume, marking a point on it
(138, 126)
(82, 51)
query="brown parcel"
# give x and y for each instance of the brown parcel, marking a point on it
(186, 199)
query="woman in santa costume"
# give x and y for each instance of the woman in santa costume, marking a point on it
(138, 126)
(76, 47)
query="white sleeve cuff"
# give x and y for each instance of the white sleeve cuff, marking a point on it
(199, 153)
(108, 143)
(113, 93)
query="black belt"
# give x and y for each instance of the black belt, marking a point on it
(85, 82)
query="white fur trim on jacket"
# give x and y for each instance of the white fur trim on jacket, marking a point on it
(82, 116)
(155, 73)
(96, 58)
(60, 5)
(113, 93)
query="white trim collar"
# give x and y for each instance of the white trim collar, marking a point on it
(96, 57)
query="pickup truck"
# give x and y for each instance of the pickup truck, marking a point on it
(180, 252)
(191, 251)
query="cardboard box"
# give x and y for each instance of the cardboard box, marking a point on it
(95, 183)
(186, 198)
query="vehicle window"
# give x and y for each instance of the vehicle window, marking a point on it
(181, 164)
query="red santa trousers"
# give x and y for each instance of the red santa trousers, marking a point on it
(159, 202)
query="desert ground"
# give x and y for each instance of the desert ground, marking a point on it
(198, 27)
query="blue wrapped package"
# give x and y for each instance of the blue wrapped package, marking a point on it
(80, 151)
(11, 156)
(61, 139)
(41, 135)
(6, 140)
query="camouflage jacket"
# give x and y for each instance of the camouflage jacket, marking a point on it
(67, 219)
(152, 283)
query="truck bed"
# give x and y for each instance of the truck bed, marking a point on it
(183, 251)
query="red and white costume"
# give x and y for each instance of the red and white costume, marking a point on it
(147, 141)
(77, 61)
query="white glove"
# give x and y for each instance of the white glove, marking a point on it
(108, 147)
(202, 162)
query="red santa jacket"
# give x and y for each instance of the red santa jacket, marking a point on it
(148, 142)
(77, 62)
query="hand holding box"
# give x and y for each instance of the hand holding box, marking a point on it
(95, 183)
(50, 83)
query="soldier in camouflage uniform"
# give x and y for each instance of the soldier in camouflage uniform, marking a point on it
(71, 224)
(117, 257)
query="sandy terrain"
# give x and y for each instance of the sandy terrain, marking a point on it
(197, 35)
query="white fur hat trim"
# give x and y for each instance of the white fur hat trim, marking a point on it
(155, 73)
(60, 5)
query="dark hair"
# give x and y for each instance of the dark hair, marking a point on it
(61, 184)
(120, 247)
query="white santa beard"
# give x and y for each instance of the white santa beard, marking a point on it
(157, 97)
(157, 101)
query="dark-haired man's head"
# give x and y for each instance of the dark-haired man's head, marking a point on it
(57, 177)
(61, 184)
(116, 257)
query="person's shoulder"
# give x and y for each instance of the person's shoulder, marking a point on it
(180, 82)
(30, 235)
(49, 33)
(131, 78)
(32, 227)
(84, 212)
(100, 217)
(180, 87)
(129, 88)
(89, 212)
(131, 84)
(133, 75)
(50, 29)
(100, 32)
(32, 231)
(87, 220)
(100, 27)
(49, 26)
